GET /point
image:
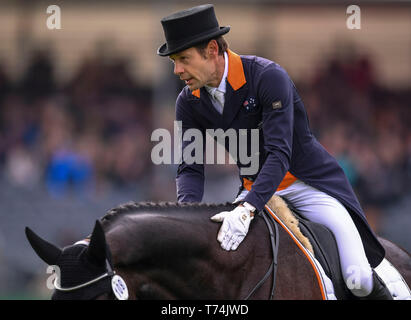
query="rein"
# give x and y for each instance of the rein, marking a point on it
(274, 240)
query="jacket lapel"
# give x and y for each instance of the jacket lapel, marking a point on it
(233, 101)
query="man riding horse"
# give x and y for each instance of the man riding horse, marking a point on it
(225, 90)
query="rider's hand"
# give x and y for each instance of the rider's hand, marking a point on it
(235, 226)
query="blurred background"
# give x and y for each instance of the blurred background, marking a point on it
(78, 106)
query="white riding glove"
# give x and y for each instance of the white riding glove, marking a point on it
(235, 226)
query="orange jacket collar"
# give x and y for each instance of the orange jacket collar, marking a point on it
(235, 76)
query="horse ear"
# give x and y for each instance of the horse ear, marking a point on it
(48, 252)
(97, 249)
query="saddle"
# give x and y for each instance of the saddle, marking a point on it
(320, 241)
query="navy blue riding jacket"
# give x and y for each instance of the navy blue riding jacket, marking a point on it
(260, 95)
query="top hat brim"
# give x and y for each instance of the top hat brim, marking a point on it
(165, 51)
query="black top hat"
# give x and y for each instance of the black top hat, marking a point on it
(189, 27)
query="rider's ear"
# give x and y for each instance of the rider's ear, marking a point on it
(97, 249)
(48, 252)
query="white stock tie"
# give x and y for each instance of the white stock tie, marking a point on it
(219, 97)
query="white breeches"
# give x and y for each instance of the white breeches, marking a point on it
(321, 208)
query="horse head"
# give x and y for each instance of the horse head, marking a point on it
(82, 271)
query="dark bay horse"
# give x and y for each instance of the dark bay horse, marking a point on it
(170, 251)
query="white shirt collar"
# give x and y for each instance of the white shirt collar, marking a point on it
(222, 86)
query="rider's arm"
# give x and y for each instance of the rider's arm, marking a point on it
(190, 177)
(275, 92)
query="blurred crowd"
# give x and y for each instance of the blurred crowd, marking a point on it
(84, 137)
(365, 126)
(92, 134)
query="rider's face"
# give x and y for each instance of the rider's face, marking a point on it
(193, 68)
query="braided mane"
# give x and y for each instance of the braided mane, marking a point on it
(135, 207)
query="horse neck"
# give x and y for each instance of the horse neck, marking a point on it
(176, 255)
(162, 250)
(167, 255)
